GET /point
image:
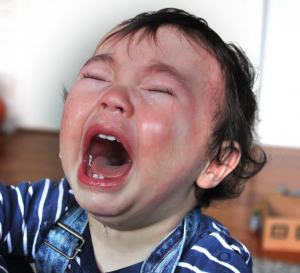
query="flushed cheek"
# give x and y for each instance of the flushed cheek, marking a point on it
(154, 131)
(170, 151)
(71, 132)
(69, 150)
(158, 143)
(77, 109)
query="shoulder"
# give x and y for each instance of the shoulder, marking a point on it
(30, 196)
(39, 187)
(28, 211)
(213, 250)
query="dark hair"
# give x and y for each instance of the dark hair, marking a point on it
(233, 123)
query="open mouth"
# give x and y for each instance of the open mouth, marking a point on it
(107, 158)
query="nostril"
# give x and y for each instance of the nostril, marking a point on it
(117, 108)
(104, 105)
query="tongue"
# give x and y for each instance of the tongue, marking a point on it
(101, 165)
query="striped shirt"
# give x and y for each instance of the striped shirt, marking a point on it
(28, 211)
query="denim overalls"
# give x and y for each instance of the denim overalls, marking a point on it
(164, 258)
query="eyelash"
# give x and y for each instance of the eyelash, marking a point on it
(166, 91)
(86, 76)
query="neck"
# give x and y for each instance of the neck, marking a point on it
(118, 248)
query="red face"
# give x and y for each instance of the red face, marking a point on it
(135, 128)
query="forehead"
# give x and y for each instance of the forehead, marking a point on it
(167, 45)
(160, 40)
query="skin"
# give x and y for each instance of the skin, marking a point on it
(167, 135)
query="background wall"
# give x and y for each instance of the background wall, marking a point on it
(280, 92)
(44, 43)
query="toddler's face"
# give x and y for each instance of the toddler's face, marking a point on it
(136, 126)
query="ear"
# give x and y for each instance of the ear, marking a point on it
(214, 173)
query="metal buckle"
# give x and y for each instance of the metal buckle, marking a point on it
(75, 234)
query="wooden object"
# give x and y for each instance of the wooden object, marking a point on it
(29, 156)
(281, 223)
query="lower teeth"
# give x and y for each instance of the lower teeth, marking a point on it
(96, 176)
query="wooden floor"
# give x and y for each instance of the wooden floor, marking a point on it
(29, 155)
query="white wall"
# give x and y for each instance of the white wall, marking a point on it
(280, 93)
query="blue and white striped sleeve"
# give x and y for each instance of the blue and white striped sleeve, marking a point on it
(214, 250)
(27, 212)
(3, 268)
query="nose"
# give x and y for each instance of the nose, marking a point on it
(117, 100)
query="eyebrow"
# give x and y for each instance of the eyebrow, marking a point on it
(101, 58)
(172, 71)
(158, 67)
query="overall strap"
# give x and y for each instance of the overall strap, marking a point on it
(166, 255)
(63, 242)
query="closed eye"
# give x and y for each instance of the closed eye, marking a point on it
(87, 76)
(166, 91)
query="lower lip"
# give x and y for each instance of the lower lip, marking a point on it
(99, 183)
